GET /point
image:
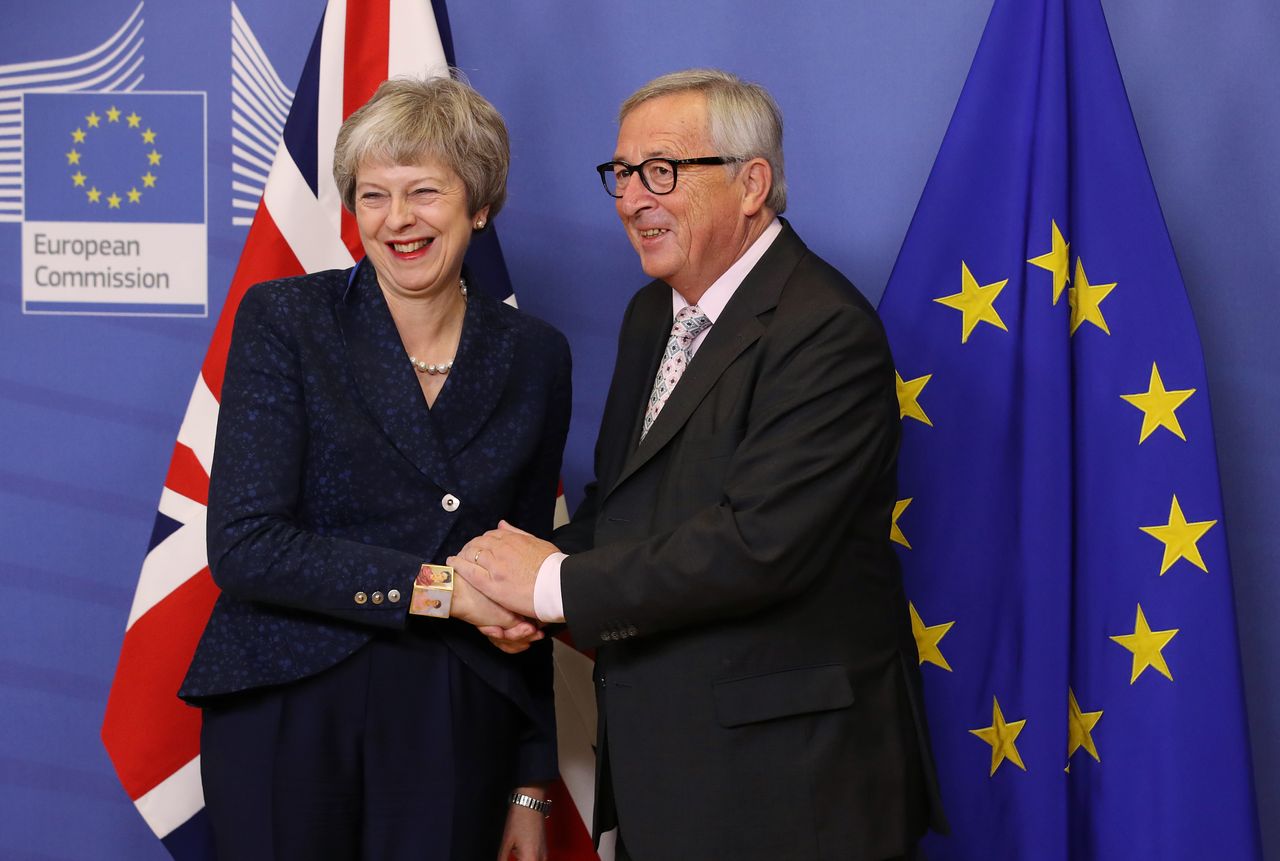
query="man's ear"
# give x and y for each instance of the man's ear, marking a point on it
(757, 179)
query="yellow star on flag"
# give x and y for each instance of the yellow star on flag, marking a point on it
(1080, 726)
(1056, 260)
(148, 136)
(909, 397)
(93, 119)
(78, 178)
(78, 135)
(94, 195)
(927, 639)
(149, 179)
(895, 532)
(1179, 538)
(1158, 405)
(134, 120)
(113, 202)
(1001, 736)
(113, 114)
(1146, 645)
(1085, 300)
(975, 302)
(153, 157)
(135, 196)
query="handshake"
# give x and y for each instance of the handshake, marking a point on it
(493, 589)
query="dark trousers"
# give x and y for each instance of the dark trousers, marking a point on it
(398, 753)
(620, 853)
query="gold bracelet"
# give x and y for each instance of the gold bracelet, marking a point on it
(432, 592)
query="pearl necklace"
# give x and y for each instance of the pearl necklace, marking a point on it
(444, 367)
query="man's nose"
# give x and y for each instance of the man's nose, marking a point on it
(635, 196)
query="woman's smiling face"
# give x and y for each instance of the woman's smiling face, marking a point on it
(414, 225)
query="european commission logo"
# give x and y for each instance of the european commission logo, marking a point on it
(115, 204)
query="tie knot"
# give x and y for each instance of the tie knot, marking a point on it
(690, 321)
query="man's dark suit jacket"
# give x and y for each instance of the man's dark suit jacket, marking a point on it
(757, 680)
(331, 478)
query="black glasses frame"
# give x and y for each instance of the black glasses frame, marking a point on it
(608, 167)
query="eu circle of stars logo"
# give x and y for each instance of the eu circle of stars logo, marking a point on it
(127, 137)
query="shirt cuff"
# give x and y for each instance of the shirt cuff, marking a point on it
(548, 603)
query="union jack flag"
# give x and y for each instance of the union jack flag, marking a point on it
(153, 738)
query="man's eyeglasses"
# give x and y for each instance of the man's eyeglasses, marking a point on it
(657, 174)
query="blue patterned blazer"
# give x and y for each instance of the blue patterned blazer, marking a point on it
(332, 479)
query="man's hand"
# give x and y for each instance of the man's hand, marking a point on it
(509, 632)
(503, 564)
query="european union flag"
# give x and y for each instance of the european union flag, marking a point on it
(124, 157)
(1061, 523)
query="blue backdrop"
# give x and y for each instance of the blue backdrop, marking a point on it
(90, 405)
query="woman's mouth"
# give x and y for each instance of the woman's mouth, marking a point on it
(409, 247)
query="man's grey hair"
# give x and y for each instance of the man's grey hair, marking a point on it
(409, 120)
(745, 121)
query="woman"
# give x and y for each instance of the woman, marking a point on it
(372, 421)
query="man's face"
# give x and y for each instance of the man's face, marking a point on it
(690, 236)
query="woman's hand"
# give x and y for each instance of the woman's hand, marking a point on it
(506, 630)
(525, 835)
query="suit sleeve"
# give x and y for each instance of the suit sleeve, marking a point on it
(822, 433)
(257, 550)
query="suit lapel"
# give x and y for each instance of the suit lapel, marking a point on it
(737, 329)
(479, 376)
(639, 353)
(385, 381)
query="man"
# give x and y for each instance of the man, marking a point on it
(757, 680)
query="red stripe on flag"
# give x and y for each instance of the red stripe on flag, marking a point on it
(149, 732)
(365, 65)
(568, 838)
(187, 476)
(266, 255)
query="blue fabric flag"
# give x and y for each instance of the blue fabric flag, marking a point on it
(128, 157)
(1061, 522)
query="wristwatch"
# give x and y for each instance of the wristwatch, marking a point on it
(535, 804)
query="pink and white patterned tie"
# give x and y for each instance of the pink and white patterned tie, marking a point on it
(689, 323)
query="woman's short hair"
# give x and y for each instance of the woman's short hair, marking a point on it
(745, 121)
(409, 120)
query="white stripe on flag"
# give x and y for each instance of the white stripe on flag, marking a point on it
(200, 423)
(310, 233)
(173, 800)
(329, 113)
(415, 47)
(175, 560)
(575, 725)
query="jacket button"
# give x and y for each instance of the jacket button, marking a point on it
(393, 595)
(449, 502)
(631, 631)
(361, 598)
(376, 597)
